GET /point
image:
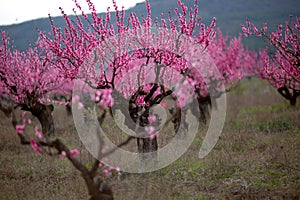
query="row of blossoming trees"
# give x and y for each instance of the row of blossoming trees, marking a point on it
(133, 65)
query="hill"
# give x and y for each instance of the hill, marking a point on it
(229, 14)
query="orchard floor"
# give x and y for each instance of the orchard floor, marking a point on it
(256, 157)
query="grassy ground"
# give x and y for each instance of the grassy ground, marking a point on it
(257, 157)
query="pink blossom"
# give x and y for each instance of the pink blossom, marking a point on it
(80, 105)
(35, 146)
(110, 168)
(163, 104)
(149, 129)
(98, 93)
(106, 98)
(75, 98)
(152, 136)
(20, 128)
(101, 164)
(105, 171)
(62, 154)
(60, 103)
(74, 153)
(152, 119)
(38, 133)
(140, 101)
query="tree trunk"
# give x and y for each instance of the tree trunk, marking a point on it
(97, 189)
(147, 149)
(146, 145)
(293, 101)
(6, 105)
(289, 94)
(44, 114)
(69, 109)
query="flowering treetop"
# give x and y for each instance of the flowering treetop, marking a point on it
(131, 42)
(27, 76)
(232, 59)
(282, 68)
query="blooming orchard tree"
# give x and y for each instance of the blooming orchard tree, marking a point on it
(26, 77)
(29, 78)
(233, 60)
(63, 95)
(281, 68)
(145, 48)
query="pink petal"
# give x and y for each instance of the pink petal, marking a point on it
(20, 128)
(74, 153)
(35, 146)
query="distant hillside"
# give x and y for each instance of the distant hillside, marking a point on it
(230, 14)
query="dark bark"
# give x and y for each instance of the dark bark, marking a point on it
(68, 109)
(140, 114)
(293, 101)
(135, 116)
(146, 145)
(204, 103)
(6, 105)
(98, 190)
(44, 114)
(176, 118)
(289, 94)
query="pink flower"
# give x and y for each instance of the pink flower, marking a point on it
(80, 106)
(74, 153)
(75, 98)
(151, 119)
(101, 164)
(149, 129)
(110, 168)
(35, 146)
(152, 136)
(37, 133)
(106, 98)
(105, 171)
(62, 154)
(163, 104)
(20, 128)
(98, 93)
(29, 121)
(114, 169)
(140, 101)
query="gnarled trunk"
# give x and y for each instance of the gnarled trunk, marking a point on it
(289, 94)
(6, 105)
(98, 190)
(44, 114)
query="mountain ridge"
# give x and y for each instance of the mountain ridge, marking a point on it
(229, 14)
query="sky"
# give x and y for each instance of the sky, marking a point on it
(17, 11)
